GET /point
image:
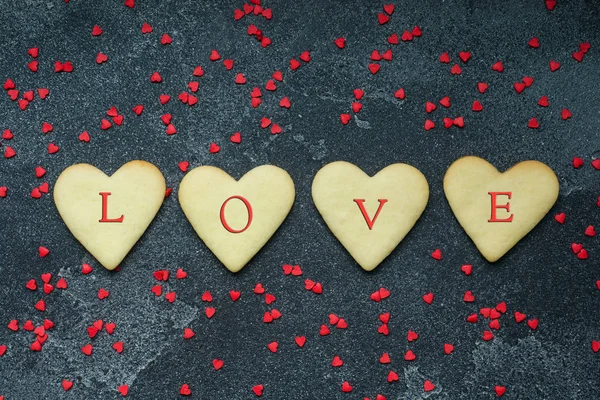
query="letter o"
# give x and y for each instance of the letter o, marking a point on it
(248, 208)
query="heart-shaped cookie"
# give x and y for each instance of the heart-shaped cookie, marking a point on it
(109, 214)
(370, 215)
(236, 218)
(498, 209)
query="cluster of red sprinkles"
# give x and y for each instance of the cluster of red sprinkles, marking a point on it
(488, 320)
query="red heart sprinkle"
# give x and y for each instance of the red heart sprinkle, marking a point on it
(519, 87)
(185, 390)
(382, 18)
(477, 106)
(228, 64)
(214, 55)
(294, 64)
(300, 340)
(468, 297)
(464, 56)
(385, 317)
(501, 307)
(171, 130)
(43, 252)
(346, 387)
(43, 93)
(384, 330)
(389, 8)
(102, 293)
(584, 47)
(33, 66)
(375, 56)
(3, 190)
(498, 67)
(285, 103)
(198, 71)
(488, 335)
(407, 36)
(596, 163)
(305, 56)
(565, 114)
(410, 356)
(9, 84)
(337, 362)
(356, 107)
(467, 269)
(61, 284)
(385, 358)
(118, 347)
(448, 348)
(214, 148)
(258, 289)
(400, 94)
(238, 14)
(578, 56)
(374, 68)
(35, 193)
(171, 297)
(155, 77)
(66, 385)
(392, 376)
(428, 386)
(345, 118)
(165, 39)
(324, 330)
(267, 14)
(416, 32)
(124, 389)
(258, 390)
(494, 324)
(340, 42)
(87, 350)
(595, 346)
(118, 120)
(554, 65)
(560, 218)
(500, 390)
(46, 127)
(188, 333)
(138, 109)
(31, 284)
(236, 138)
(577, 162)
(146, 28)
(445, 58)
(482, 87)
(105, 124)
(528, 81)
(533, 323)
(13, 94)
(534, 42)
(456, 70)
(210, 311)
(384, 293)
(341, 324)
(387, 55)
(543, 101)
(101, 58)
(582, 255)
(445, 101)
(217, 364)
(533, 123)
(576, 247)
(428, 298)
(437, 254)
(429, 124)
(240, 79)
(519, 317)
(429, 107)
(273, 346)
(550, 4)
(13, 325)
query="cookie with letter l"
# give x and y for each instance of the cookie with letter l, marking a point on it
(235, 219)
(108, 214)
(498, 209)
(370, 215)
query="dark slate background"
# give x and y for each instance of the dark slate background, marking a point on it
(540, 276)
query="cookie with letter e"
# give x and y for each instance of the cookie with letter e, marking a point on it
(498, 209)
(370, 215)
(235, 219)
(108, 214)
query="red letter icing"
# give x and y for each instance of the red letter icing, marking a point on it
(248, 207)
(105, 209)
(495, 206)
(361, 206)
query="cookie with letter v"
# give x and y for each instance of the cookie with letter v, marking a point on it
(498, 209)
(370, 215)
(235, 219)
(108, 214)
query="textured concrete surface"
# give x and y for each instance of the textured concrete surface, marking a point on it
(540, 277)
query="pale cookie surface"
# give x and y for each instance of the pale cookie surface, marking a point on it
(533, 189)
(137, 191)
(349, 200)
(235, 219)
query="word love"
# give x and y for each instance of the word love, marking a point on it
(370, 216)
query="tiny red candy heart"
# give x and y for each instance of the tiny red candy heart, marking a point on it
(428, 386)
(500, 390)
(340, 42)
(554, 65)
(534, 42)
(428, 298)
(498, 66)
(464, 56)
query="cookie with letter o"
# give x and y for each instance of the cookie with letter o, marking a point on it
(235, 219)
